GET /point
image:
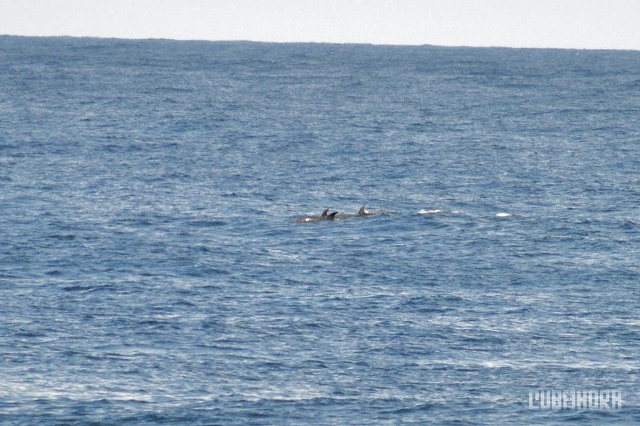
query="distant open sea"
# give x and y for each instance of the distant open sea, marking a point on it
(150, 272)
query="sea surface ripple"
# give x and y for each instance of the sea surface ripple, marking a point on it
(150, 272)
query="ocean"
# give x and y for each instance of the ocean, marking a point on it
(151, 272)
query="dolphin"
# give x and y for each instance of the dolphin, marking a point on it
(361, 213)
(323, 216)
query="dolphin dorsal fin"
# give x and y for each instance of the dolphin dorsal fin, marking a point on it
(332, 216)
(361, 212)
(324, 213)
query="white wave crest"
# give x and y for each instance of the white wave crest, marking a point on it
(424, 211)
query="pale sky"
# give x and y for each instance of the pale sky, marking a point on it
(582, 24)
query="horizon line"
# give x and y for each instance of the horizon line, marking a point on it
(356, 43)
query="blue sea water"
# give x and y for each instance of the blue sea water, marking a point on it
(150, 272)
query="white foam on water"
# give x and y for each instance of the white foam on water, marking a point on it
(424, 211)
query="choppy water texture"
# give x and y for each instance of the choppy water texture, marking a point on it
(150, 272)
